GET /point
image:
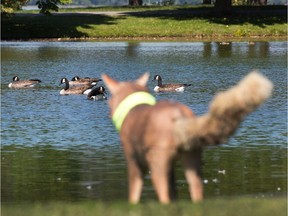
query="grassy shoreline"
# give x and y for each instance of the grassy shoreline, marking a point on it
(152, 24)
(216, 207)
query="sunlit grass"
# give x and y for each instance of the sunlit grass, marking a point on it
(157, 27)
(146, 26)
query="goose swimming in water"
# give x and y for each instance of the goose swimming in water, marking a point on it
(76, 80)
(81, 89)
(98, 93)
(18, 84)
(172, 87)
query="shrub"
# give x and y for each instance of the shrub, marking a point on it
(46, 6)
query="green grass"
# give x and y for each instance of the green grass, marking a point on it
(215, 207)
(187, 28)
(178, 23)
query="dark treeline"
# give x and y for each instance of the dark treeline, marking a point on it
(126, 2)
(92, 2)
(170, 2)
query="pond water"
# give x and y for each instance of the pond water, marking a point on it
(65, 147)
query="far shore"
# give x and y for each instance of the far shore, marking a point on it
(148, 24)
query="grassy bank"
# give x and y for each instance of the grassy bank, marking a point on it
(174, 23)
(221, 207)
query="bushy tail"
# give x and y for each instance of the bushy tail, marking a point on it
(226, 112)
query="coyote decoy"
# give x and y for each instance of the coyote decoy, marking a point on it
(154, 134)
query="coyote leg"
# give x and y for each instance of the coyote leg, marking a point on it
(161, 185)
(162, 177)
(172, 185)
(192, 166)
(135, 182)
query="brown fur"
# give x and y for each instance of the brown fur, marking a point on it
(154, 136)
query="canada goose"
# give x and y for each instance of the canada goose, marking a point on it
(168, 87)
(82, 89)
(224, 43)
(17, 83)
(76, 80)
(97, 93)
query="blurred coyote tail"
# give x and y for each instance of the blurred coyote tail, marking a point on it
(226, 112)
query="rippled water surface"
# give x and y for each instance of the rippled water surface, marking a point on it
(65, 147)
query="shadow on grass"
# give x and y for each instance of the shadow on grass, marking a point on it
(255, 15)
(52, 26)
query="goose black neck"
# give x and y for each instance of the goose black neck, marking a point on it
(159, 81)
(66, 87)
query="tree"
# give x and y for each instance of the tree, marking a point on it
(135, 2)
(207, 1)
(258, 2)
(46, 6)
(9, 6)
(223, 6)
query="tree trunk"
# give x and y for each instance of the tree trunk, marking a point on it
(135, 2)
(223, 7)
(258, 2)
(262, 2)
(207, 1)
